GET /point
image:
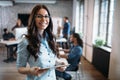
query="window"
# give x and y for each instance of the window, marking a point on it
(80, 17)
(110, 23)
(103, 20)
(102, 29)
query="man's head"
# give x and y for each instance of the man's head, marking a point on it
(65, 19)
(71, 38)
(5, 30)
(75, 38)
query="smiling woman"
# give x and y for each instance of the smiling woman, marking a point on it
(42, 19)
(38, 48)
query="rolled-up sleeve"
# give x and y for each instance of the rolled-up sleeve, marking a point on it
(22, 54)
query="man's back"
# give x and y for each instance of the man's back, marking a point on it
(66, 29)
(7, 36)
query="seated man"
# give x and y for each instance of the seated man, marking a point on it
(73, 56)
(9, 36)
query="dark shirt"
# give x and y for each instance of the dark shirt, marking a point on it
(7, 36)
(66, 29)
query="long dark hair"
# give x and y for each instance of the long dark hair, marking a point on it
(79, 40)
(32, 36)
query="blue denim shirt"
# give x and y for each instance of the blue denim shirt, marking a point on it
(74, 56)
(46, 58)
(66, 29)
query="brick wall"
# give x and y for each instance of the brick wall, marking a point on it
(8, 15)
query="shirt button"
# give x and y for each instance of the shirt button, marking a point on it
(48, 75)
(49, 61)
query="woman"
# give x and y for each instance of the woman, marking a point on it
(18, 24)
(38, 48)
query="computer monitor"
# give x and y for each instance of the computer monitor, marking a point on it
(19, 32)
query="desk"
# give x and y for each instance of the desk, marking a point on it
(8, 44)
(62, 42)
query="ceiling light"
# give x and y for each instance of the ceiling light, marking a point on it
(36, 1)
(6, 3)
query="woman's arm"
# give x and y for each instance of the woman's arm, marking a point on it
(22, 59)
(24, 70)
(36, 71)
(61, 68)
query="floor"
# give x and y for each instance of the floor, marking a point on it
(8, 71)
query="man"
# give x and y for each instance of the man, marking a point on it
(66, 31)
(66, 28)
(73, 56)
(9, 36)
(18, 24)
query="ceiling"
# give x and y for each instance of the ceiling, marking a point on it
(12, 2)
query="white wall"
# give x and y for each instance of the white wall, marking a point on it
(88, 28)
(57, 22)
(114, 70)
(9, 14)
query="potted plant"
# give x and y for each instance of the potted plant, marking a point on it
(99, 42)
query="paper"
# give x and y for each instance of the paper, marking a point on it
(61, 66)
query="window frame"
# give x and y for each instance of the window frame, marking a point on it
(107, 23)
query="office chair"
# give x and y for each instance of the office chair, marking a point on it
(78, 73)
(75, 74)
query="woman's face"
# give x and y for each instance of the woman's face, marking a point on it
(19, 22)
(42, 19)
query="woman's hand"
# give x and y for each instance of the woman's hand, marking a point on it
(61, 68)
(34, 71)
(37, 71)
